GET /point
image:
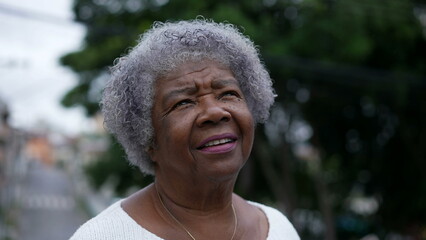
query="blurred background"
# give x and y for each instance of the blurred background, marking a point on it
(343, 154)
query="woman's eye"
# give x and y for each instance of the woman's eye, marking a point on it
(231, 94)
(182, 103)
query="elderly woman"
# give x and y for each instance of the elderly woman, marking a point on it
(184, 104)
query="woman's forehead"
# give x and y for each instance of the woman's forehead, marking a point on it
(197, 72)
(196, 67)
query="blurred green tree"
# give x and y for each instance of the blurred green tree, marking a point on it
(347, 136)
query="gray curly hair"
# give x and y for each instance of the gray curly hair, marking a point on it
(128, 97)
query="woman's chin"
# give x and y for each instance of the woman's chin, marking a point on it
(225, 172)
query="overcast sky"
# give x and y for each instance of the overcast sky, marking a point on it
(34, 34)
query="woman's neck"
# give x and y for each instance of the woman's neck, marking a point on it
(200, 197)
(199, 212)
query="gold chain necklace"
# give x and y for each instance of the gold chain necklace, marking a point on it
(184, 228)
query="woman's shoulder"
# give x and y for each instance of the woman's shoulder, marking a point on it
(112, 223)
(279, 225)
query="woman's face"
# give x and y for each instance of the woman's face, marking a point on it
(203, 127)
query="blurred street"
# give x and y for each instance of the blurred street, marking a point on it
(48, 209)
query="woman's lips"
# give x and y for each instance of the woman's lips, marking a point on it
(218, 144)
(223, 148)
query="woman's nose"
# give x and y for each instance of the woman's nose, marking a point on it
(212, 112)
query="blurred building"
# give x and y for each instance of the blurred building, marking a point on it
(38, 147)
(12, 170)
(4, 133)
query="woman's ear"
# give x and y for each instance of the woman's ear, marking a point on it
(151, 151)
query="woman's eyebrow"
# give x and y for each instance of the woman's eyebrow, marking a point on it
(180, 91)
(216, 84)
(220, 83)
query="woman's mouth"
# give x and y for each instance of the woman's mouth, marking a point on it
(218, 144)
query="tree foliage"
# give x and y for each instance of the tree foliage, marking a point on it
(348, 132)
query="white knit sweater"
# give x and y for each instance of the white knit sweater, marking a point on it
(115, 224)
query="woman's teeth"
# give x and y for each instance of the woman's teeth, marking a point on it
(217, 142)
